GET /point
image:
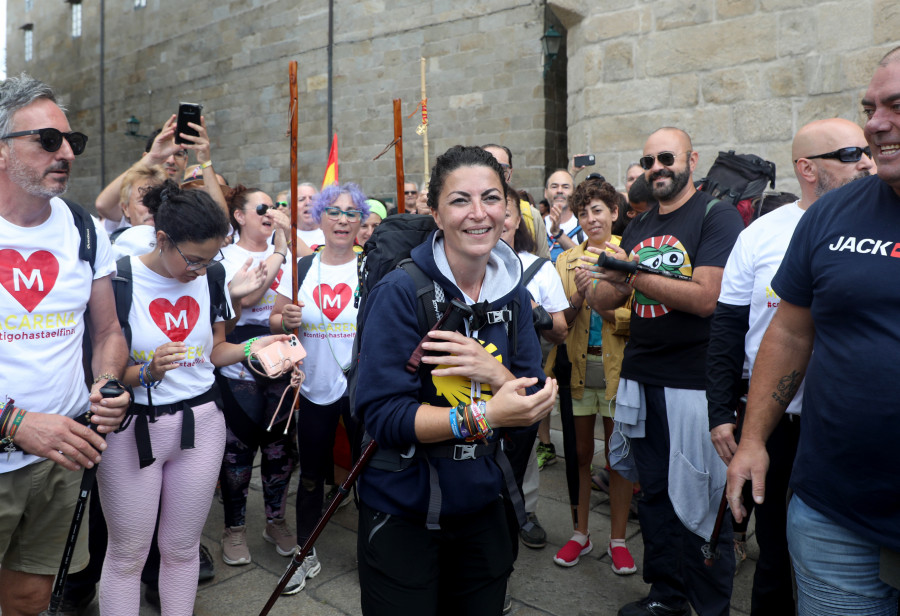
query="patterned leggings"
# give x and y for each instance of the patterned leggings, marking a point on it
(278, 457)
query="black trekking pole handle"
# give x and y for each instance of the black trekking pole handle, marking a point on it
(297, 560)
(630, 267)
(112, 389)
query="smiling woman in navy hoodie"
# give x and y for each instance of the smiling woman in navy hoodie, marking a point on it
(434, 531)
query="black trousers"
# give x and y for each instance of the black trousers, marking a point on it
(673, 561)
(773, 590)
(462, 568)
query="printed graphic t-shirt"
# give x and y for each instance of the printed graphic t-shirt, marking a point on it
(44, 290)
(328, 328)
(668, 347)
(258, 314)
(165, 310)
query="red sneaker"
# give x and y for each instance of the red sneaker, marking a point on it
(569, 554)
(622, 562)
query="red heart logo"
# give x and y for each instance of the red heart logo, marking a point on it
(176, 321)
(332, 301)
(275, 282)
(28, 280)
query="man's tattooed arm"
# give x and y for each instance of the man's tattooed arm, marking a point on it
(787, 388)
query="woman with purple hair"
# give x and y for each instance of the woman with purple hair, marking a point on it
(326, 316)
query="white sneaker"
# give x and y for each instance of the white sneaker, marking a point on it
(309, 569)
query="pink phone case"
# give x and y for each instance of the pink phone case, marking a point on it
(280, 357)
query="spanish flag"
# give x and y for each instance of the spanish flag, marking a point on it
(331, 170)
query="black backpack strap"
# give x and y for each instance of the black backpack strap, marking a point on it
(88, 232)
(218, 304)
(115, 234)
(533, 269)
(303, 266)
(427, 310)
(122, 289)
(710, 205)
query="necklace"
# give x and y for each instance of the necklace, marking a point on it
(343, 368)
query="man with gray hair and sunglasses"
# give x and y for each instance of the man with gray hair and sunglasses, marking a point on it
(661, 399)
(46, 289)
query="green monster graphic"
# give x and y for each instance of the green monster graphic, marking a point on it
(662, 252)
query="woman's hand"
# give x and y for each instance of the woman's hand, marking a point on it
(200, 143)
(583, 282)
(509, 408)
(247, 280)
(467, 358)
(292, 316)
(165, 358)
(265, 341)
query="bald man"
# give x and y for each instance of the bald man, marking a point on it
(837, 290)
(827, 154)
(664, 378)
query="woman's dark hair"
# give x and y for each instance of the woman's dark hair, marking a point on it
(238, 198)
(591, 190)
(456, 157)
(185, 215)
(618, 226)
(523, 240)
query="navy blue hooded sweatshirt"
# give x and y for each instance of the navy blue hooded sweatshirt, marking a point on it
(387, 396)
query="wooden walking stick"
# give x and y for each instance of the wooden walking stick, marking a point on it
(398, 155)
(294, 213)
(423, 128)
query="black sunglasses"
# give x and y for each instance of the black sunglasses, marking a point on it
(262, 208)
(51, 139)
(845, 155)
(666, 159)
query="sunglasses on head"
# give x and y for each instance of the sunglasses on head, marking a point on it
(51, 139)
(665, 159)
(335, 213)
(845, 155)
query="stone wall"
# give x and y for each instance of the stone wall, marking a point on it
(736, 74)
(484, 73)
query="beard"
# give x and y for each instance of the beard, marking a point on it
(35, 183)
(680, 179)
(827, 182)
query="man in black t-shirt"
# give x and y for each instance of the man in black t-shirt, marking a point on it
(663, 371)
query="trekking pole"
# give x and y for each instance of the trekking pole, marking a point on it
(112, 389)
(710, 549)
(297, 560)
(630, 267)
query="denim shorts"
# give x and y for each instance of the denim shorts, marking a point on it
(836, 569)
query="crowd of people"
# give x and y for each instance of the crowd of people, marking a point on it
(183, 280)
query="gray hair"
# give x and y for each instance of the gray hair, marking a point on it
(310, 184)
(17, 93)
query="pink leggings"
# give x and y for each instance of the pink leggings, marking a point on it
(181, 482)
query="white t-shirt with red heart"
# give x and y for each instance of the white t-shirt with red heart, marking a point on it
(328, 328)
(165, 310)
(44, 290)
(258, 314)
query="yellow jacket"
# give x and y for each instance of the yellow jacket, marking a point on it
(579, 330)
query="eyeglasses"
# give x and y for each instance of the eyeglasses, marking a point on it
(262, 208)
(410, 193)
(666, 159)
(279, 204)
(845, 155)
(181, 154)
(335, 213)
(51, 139)
(193, 266)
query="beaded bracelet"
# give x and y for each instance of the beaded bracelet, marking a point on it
(146, 378)
(105, 375)
(6, 415)
(250, 342)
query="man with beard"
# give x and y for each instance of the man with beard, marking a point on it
(746, 305)
(661, 400)
(837, 291)
(563, 231)
(46, 289)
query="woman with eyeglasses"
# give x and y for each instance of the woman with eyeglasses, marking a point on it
(249, 400)
(168, 457)
(326, 317)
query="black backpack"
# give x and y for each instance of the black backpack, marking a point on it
(739, 179)
(87, 251)
(123, 290)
